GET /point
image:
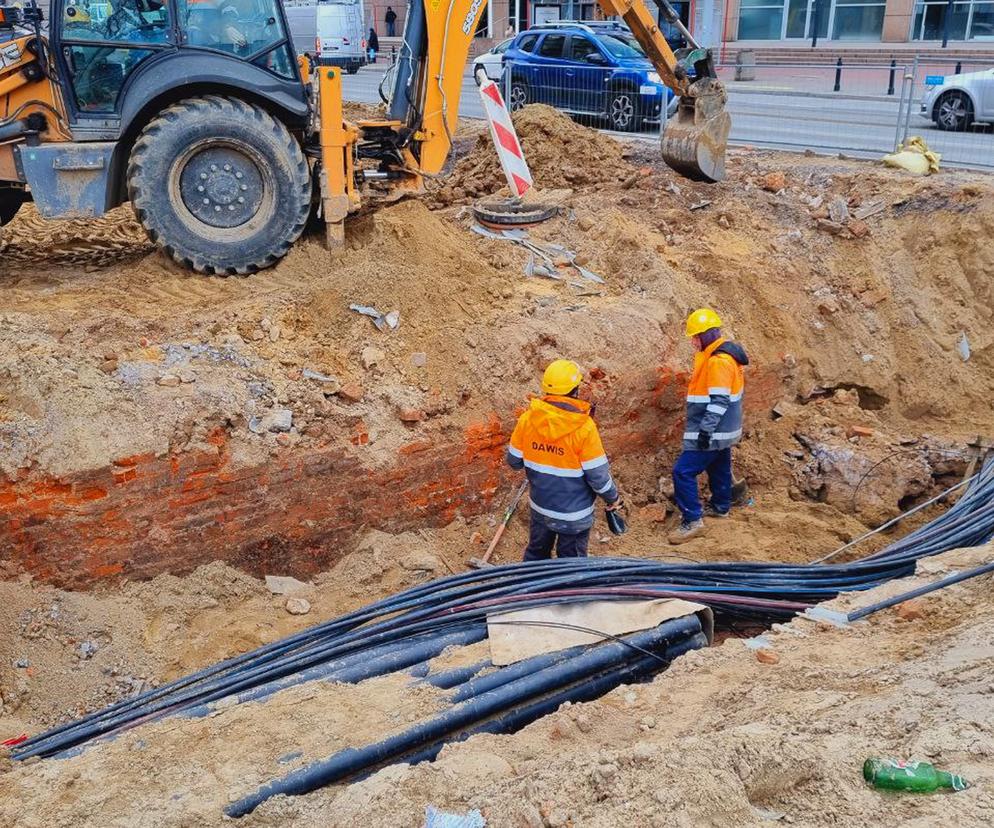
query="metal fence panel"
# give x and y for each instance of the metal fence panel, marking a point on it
(811, 106)
(632, 101)
(960, 86)
(863, 110)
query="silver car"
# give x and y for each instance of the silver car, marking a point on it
(960, 101)
(492, 62)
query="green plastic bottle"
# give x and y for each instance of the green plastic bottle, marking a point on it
(921, 777)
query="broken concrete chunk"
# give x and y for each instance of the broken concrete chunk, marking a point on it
(279, 419)
(169, 380)
(285, 585)
(371, 357)
(828, 226)
(838, 210)
(419, 359)
(298, 606)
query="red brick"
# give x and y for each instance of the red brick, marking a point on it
(134, 460)
(290, 509)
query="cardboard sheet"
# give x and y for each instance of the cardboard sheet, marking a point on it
(511, 642)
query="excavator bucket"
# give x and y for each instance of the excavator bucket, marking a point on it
(695, 139)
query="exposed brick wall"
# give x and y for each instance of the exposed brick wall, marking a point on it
(299, 511)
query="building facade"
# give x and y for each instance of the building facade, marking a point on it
(882, 21)
(833, 21)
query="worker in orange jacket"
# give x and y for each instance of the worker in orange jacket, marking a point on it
(557, 443)
(714, 424)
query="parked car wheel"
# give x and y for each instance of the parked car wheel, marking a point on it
(953, 111)
(519, 95)
(622, 110)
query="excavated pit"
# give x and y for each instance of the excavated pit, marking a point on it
(154, 423)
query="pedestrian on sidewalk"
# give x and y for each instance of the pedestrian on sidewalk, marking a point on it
(372, 45)
(509, 31)
(391, 20)
(714, 424)
(557, 443)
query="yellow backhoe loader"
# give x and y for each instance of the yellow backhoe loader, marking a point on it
(201, 114)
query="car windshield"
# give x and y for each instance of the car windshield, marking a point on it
(622, 46)
(500, 48)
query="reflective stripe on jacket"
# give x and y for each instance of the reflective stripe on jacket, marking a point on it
(557, 443)
(714, 395)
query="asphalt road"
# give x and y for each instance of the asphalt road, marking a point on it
(795, 120)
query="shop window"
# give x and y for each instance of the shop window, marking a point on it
(983, 22)
(759, 20)
(856, 20)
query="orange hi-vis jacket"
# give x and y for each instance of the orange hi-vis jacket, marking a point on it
(714, 395)
(557, 443)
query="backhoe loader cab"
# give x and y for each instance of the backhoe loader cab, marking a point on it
(192, 109)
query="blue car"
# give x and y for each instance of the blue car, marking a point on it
(588, 68)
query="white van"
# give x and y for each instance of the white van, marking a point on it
(331, 31)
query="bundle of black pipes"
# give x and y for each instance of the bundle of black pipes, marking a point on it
(759, 591)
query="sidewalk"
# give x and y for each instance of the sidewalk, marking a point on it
(860, 81)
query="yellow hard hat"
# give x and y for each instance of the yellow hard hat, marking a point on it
(701, 320)
(561, 377)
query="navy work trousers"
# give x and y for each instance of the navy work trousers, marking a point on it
(690, 464)
(541, 539)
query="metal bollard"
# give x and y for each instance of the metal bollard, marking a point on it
(393, 54)
(838, 76)
(959, 68)
(890, 83)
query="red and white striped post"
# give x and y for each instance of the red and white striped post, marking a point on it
(512, 159)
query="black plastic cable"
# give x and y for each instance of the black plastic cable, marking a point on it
(438, 607)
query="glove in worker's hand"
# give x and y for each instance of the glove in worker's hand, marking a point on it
(703, 440)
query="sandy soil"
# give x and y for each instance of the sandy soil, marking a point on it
(719, 739)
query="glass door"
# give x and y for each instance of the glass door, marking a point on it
(806, 17)
(796, 24)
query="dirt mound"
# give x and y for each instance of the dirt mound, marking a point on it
(560, 153)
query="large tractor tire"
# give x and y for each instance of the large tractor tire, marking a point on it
(220, 185)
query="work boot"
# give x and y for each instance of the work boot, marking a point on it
(688, 531)
(711, 512)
